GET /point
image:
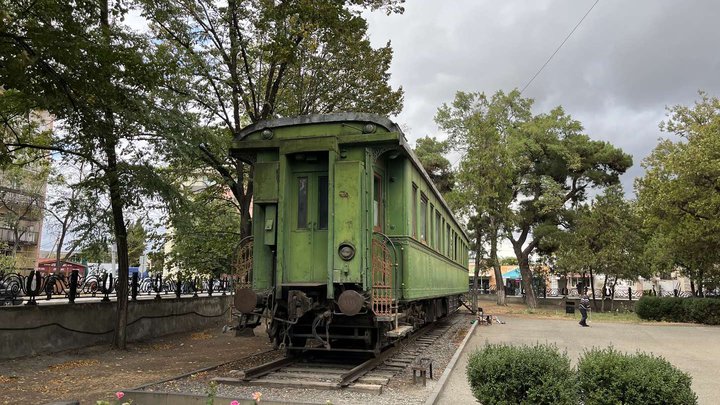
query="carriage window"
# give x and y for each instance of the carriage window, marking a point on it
(414, 211)
(377, 203)
(323, 202)
(302, 205)
(455, 244)
(423, 217)
(449, 242)
(438, 230)
(431, 230)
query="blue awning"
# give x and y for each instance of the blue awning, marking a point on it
(513, 274)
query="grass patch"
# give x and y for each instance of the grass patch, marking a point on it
(619, 316)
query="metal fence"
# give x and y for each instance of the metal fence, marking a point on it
(621, 293)
(16, 288)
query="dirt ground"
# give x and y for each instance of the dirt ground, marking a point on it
(98, 372)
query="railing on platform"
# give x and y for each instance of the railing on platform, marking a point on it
(243, 262)
(384, 261)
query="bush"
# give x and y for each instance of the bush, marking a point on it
(605, 376)
(503, 374)
(703, 310)
(672, 309)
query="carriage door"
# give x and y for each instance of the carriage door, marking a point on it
(307, 256)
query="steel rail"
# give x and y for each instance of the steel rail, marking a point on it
(359, 370)
(267, 368)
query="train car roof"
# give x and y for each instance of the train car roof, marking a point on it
(352, 117)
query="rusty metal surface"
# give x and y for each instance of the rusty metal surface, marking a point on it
(382, 266)
(243, 263)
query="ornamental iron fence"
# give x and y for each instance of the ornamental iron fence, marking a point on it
(620, 293)
(16, 288)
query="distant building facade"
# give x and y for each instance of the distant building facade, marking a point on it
(22, 202)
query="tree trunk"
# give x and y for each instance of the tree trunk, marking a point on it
(109, 141)
(602, 305)
(246, 200)
(526, 274)
(61, 240)
(499, 286)
(120, 231)
(592, 287)
(478, 253)
(700, 284)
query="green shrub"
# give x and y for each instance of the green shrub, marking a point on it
(646, 308)
(503, 374)
(605, 376)
(703, 310)
(672, 309)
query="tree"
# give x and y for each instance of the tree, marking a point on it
(137, 242)
(480, 127)
(509, 261)
(244, 62)
(73, 209)
(205, 231)
(679, 195)
(431, 153)
(100, 81)
(605, 237)
(528, 170)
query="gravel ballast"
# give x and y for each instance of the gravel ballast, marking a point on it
(400, 389)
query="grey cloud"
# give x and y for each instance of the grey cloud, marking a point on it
(626, 62)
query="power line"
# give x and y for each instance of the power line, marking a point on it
(558, 48)
(544, 64)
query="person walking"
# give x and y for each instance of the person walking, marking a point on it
(584, 307)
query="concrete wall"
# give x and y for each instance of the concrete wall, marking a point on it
(32, 330)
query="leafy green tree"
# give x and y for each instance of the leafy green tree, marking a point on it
(137, 242)
(679, 195)
(244, 62)
(509, 261)
(100, 81)
(480, 127)
(431, 153)
(605, 237)
(528, 170)
(205, 231)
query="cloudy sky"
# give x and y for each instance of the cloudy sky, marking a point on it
(626, 62)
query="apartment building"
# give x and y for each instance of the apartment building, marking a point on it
(22, 198)
(22, 201)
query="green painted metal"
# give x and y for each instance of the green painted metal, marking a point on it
(265, 188)
(349, 223)
(338, 155)
(263, 212)
(307, 242)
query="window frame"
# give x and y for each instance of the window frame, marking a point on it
(379, 216)
(423, 218)
(414, 221)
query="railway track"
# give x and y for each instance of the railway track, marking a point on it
(335, 371)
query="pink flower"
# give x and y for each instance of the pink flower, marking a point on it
(119, 394)
(256, 396)
(234, 403)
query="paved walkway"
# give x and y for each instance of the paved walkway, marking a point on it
(692, 348)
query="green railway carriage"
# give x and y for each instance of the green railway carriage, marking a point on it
(352, 244)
